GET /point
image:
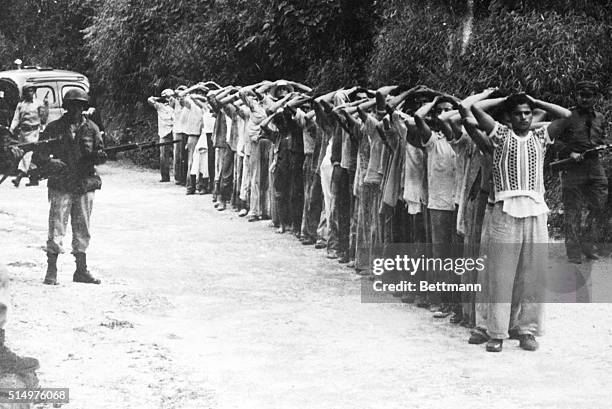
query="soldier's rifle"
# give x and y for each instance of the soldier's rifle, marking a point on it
(137, 146)
(30, 146)
(8, 143)
(568, 163)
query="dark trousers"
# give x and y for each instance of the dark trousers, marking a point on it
(238, 163)
(211, 163)
(583, 188)
(226, 178)
(340, 221)
(443, 239)
(297, 190)
(313, 199)
(165, 157)
(180, 158)
(282, 183)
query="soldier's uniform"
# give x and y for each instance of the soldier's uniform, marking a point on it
(72, 183)
(585, 183)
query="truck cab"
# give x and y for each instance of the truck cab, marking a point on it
(49, 83)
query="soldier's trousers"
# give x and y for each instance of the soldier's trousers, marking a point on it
(587, 187)
(77, 208)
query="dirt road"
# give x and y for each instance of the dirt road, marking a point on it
(200, 309)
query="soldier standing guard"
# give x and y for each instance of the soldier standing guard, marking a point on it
(72, 182)
(585, 182)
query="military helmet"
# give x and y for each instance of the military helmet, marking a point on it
(76, 94)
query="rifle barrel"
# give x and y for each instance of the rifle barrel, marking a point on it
(141, 145)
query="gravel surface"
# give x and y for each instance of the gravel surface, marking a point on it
(200, 309)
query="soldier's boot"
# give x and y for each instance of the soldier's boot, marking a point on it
(10, 362)
(82, 275)
(51, 276)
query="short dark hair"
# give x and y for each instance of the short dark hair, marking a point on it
(444, 100)
(517, 99)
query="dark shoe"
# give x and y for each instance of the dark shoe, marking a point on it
(190, 192)
(513, 333)
(10, 362)
(362, 272)
(51, 276)
(32, 182)
(308, 242)
(164, 180)
(495, 345)
(343, 259)
(528, 342)
(16, 181)
(320, 245)
(82, 275)
(456, 317)
(477, 338)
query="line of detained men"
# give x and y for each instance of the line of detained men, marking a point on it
(355, 170)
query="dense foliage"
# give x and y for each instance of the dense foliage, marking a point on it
(131, 49)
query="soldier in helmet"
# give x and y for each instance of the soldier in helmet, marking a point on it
(73, 179)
